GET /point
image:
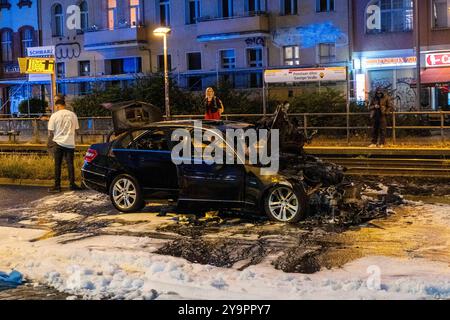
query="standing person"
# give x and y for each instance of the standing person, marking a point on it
(213, 106)
(62, 126)
(379, 107)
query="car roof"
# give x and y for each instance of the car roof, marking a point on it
(207, 124)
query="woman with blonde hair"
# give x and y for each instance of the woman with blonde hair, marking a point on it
(213, 106)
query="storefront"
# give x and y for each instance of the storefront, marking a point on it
(435, 79)
(392, 72)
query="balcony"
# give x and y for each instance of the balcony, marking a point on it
(114, 39)
(216, 29)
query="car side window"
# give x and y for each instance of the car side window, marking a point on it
(155, 140)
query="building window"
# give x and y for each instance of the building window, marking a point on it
(254, 58)
(254, 6)
(289, 7)
(60, 70)
(389, 16)
(6, 41)
(58, 20)
(441, 14)
(255, 80)
(192, 11)
(26, 37)
(84, 15)
(164, 12)
(112, 13)
(327, 52)
(291, 55)
(84, 68)
(4, 4)
(228, 59)
(135, 15)
(194, 61)
(124, 66)
(225, 8)
(161, 62)
(324, 5)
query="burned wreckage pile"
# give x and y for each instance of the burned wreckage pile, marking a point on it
(333, 197)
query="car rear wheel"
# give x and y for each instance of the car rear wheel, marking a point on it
(126, 195)
(284, 204)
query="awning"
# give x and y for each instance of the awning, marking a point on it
(433, 76)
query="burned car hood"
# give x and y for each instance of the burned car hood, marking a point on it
(132, 115)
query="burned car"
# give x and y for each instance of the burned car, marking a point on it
(138, 166)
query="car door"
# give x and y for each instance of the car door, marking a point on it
(149, 159)
(212, 185)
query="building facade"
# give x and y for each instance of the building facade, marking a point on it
(384, 49)
(19, 27)
(211, 40)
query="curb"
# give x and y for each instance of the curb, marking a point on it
(30, 183)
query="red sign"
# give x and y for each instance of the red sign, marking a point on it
(438, 59)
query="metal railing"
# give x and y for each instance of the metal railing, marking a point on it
(100, 125)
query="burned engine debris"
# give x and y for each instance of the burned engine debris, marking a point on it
(333, 197)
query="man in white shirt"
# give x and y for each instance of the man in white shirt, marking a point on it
(62, 127)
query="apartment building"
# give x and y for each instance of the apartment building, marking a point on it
(18, 31)
(211, 40)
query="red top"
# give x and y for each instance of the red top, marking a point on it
(210, 114)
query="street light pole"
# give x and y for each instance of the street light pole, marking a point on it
(418, 55)
(166, 79)
(163, 32)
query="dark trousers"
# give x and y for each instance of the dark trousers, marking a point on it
(60, 154)
(379, 130)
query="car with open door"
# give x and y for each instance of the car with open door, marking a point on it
(137, 167)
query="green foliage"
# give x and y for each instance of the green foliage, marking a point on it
(237, 101)
(37, 106)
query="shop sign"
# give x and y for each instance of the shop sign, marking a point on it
(306, 75)
(437, 59)
(389, 62)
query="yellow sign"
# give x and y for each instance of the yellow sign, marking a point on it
(37, 65)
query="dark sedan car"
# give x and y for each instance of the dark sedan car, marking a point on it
(138, 167)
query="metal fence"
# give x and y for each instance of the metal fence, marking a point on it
(35, 129)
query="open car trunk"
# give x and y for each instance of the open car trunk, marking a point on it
(132, 114)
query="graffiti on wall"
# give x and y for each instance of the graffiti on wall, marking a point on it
(67, 50)
(404, 96)
(311, 35)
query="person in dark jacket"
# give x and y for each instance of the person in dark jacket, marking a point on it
(380, 106)
(213, 106)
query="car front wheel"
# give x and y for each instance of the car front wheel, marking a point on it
(284, 204)
(126, 195)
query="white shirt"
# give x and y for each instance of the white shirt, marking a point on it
(63, 123)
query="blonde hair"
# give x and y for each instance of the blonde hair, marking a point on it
(209, 88)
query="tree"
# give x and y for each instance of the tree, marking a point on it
(33, 106)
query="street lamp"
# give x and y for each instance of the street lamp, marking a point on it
(163, 32)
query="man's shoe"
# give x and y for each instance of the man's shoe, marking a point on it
(381, 146)
(54, 190)
(75, 188)
(373, 146)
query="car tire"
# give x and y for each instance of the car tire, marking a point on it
(126, 194)
(285, 204)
